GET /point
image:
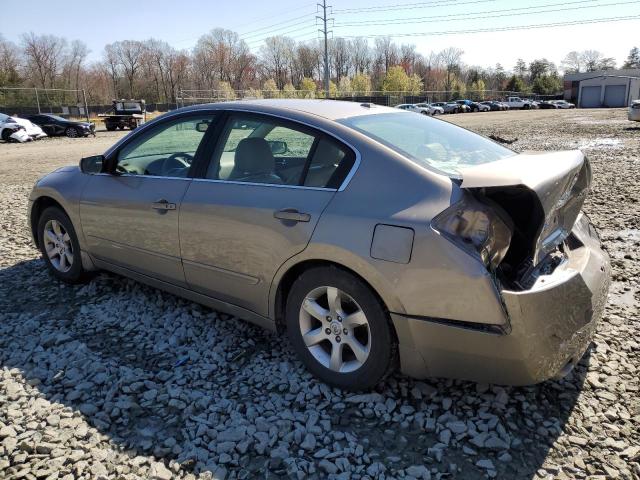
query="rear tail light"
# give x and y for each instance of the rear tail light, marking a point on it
(481, 229)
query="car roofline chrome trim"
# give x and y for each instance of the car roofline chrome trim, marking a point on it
(343, 185)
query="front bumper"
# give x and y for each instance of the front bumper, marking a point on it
(551, 325)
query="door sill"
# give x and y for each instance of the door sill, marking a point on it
(206, 300)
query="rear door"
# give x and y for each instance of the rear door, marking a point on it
(257, 205)
(130, 217)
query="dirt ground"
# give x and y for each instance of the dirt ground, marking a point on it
(118, 380)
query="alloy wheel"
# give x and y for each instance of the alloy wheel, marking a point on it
(58, 246)
(335, 329)
(72, 132)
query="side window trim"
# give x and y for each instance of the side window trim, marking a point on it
(112, 159)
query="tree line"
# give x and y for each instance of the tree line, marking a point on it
(222, 61)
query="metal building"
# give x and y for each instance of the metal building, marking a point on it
(612, 88)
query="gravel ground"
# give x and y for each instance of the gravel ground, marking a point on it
(118, 380)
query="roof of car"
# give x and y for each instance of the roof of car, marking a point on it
(329, 109)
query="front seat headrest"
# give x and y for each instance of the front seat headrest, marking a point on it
(253, 156)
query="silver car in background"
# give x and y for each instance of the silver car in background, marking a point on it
(373, 237)
(634, 111)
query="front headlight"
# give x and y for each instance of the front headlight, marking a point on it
(481, 229)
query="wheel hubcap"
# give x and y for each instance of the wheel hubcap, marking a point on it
(335, 329)
(57, 244)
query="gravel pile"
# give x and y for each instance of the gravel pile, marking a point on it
(118, 380)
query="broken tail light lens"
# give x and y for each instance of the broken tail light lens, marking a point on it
(480, 229)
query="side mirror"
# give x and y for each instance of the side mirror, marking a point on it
(278, 147)
(92, 165)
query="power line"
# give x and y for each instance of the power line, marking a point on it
(493, 14)
(501, 29)
(250, 32)
(272, 33)
(412, 6)
(273, 14)
(501, 10)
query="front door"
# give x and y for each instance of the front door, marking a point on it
(130, 216)
(263, 193)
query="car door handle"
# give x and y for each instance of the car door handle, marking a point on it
(163, 205)
(292, 214)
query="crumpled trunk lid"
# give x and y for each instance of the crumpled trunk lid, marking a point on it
(560, 181)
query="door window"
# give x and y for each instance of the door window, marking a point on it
(166, 151)
(267, 151)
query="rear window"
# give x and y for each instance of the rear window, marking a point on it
(430, 143)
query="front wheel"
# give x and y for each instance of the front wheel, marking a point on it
(71, 132)
(59, 246)
(339, 329)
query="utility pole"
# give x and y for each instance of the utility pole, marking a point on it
(325, 32)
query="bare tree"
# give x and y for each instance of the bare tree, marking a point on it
(451, 58)
(43, 56)
(9, 63)
(360, 55)
(572, 62)
(276, 55)
(339, 57)
(130, 53)
(386, 52)
(111, 65)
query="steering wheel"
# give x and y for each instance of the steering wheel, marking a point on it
(179, 160)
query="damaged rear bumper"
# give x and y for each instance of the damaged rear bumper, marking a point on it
(551, 325)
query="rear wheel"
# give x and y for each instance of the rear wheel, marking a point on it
(339, 329)
(110, 127)
(59, 246)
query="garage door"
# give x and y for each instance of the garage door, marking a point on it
(590, 97)
(615, 96)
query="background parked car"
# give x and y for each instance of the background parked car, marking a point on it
(18, 129)
(55, 125)
(517, 102)
(547, 105)
(494, 106)
(474, 106)
(448, 107)
(634, 111)
(563, 104)
(433, 110)
(414, 108)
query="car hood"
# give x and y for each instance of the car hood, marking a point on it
(560, 181)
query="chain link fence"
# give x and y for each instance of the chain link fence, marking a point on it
(73, 104)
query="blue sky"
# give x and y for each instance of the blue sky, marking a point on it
(181, 23)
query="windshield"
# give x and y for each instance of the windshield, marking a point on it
(4, 118)
(430, 143)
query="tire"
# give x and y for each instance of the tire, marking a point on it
(6, 133)
(72, 132)
(73, 273)
(110, 127)
(374, 339)
(526, 107)
(476, 109)
(120, 127)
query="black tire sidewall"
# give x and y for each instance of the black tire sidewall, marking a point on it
(381, 356)
(76, 273)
